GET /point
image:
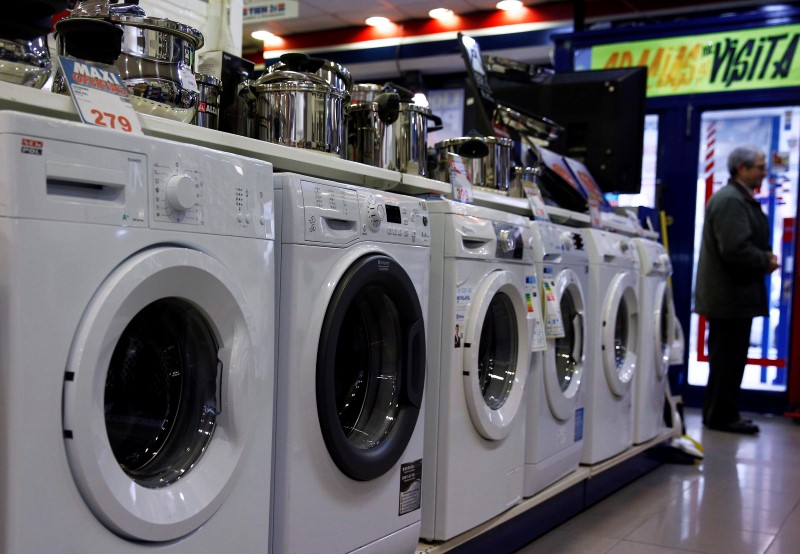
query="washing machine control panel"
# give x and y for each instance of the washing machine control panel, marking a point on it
(395, 218)
(178, 193)
(210, 192)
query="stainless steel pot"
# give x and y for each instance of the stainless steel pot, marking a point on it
(24, 62)
(300, 109)
(519, 175)
(398, 144)
(208, 101)
(365, 92)
(487, 158)
(156, 60)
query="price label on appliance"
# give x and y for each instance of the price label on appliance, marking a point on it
(553, 321)
(535, 199)
(460, 179)
(594, 211)
(538, 341)
(100, 96)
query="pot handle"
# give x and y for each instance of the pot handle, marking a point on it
(314, 64)
(405, 94)
(437, 123)
(475, 147)
(295, 61)
(388, 107)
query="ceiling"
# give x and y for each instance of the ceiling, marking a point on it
(326, 15)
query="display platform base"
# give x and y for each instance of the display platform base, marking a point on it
(548, 509)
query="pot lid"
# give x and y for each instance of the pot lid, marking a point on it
(293, 80)
(164, 25)
(500, 141)
(535, 126)
(334, 73)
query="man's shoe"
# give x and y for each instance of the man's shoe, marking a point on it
(741, 427)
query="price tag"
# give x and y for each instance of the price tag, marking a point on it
(553, 321)
(538, 341)
(535, 199)
(100, 96)
(188, 80)
(594, 211)
(460, 179)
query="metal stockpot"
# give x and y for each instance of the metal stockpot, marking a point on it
(520, 174)
(399, 144)
(24, 62)
(208, 101)
(365, 92)
(155, 58)
(300, 109)
(488, 159)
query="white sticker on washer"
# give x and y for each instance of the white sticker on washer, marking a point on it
(463, 299)
(553, 322)
(410, 487)
(533, 303)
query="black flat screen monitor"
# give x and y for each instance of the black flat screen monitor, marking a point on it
(602, 112)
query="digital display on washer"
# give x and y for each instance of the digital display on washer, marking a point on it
(393, 214)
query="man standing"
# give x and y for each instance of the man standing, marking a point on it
(735, 256)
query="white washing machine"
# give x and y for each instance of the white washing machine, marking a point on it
(611, 344)
(556, 388)
(656, 331)
(481, 263)
(136, 354)
(353, 290)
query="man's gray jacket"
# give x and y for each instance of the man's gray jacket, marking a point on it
(734, 256)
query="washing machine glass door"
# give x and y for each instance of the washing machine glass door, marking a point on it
(370, 367)
(496, 354)
(159, 393)
(664, 328)
(564, 370)
(620, 328)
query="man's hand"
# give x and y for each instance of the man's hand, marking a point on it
(773, 263)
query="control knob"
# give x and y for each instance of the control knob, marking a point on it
(376, 213)
(566, 240)
(506, 239)
(181, 193)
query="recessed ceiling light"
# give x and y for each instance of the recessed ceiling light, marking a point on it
(509, 5)
(442, 14)
(378, 21)
(262, 35)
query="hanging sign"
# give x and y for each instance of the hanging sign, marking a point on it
(256, 11)
(717, 62)
(100, 95)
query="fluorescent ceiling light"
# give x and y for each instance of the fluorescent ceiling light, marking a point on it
(262, 35)
(378, 21)
(442, 14)
(509, 5)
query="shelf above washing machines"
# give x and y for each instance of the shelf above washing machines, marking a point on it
(285, 158)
